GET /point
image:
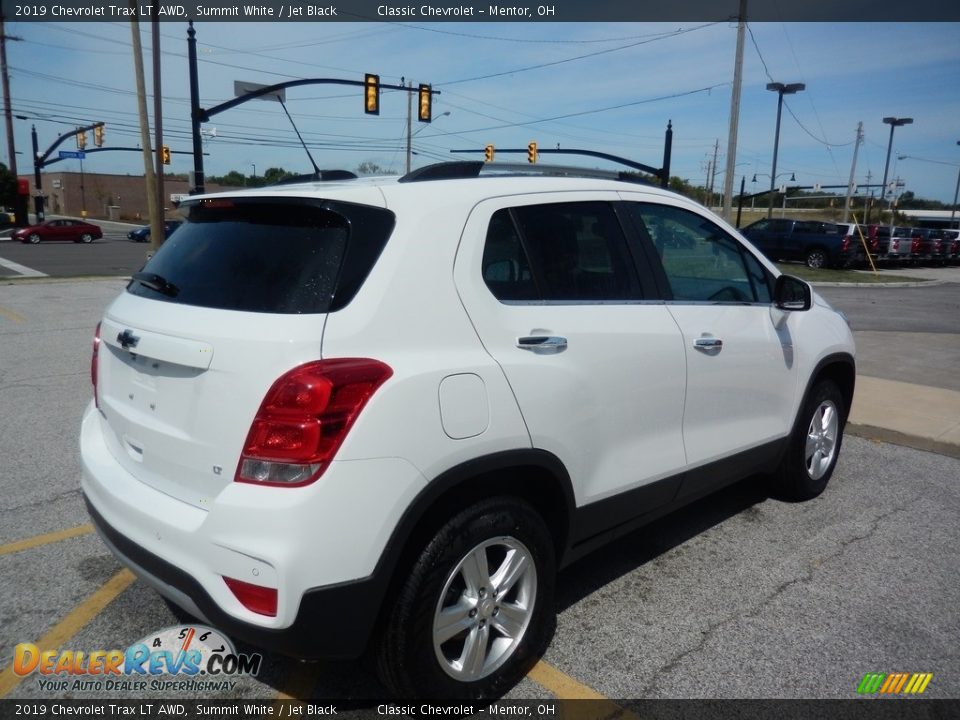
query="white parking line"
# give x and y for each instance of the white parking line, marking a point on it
(22, 269)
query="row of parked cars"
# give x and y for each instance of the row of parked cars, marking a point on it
(910, 245)
(825, 244)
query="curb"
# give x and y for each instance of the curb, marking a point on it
(871, 432)
(27, 280)
(905, 284)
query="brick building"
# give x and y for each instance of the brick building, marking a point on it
(106, 197)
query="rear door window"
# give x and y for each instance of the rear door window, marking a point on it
(561, 252)
(265, 255)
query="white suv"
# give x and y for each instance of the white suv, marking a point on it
(379, 414)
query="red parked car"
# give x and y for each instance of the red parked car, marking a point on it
(64, 229)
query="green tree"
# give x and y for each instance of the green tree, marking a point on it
(275, 175)
(371, 168)
(8, 187)
(234, 178)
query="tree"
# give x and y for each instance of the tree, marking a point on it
(371, 168)
(275, 175)
(8, 187)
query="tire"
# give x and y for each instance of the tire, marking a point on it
(814, 445)
(86, 238)
(33, 239)
(421, 653)
(817, 258)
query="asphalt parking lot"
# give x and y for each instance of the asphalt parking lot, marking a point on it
(738, 596)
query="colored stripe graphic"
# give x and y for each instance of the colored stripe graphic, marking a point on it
(894, 683)
(918, 683)
(871, 683)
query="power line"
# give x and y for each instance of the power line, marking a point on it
(554, 63)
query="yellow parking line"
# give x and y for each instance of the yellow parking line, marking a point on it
(45, 539)
(72, 623)
(561, 684)
(11, 315)
(298, 681)
(566, 688)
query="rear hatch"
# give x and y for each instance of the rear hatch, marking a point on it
(234, 298)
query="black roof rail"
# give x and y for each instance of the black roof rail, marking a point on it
(461, 169)
(445, 171)
(323, 176)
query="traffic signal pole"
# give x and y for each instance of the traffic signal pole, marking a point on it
(40, 161)
(37, 182)
(199, 115)
(198, 179)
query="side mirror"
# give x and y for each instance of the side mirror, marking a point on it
(790, 293)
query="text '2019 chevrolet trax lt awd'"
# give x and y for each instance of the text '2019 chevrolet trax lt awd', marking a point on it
(378, 414)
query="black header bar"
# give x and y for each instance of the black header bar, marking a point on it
(861, 12)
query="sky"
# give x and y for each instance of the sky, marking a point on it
(608, 87)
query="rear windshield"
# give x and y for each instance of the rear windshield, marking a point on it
(265, 255)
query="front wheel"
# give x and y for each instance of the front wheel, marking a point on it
(86, 238)
(33, 239)
(475, 609)
(814, 445)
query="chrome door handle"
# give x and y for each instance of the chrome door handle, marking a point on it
(708, 343)
(542, 343)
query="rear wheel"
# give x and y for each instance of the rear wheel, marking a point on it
(475, 609)
(86, 238)
(816, 258)
(814, 446)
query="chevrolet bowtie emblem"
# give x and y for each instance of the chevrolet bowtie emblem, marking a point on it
(127, 340)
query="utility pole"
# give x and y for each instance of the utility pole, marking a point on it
(868, 201)
(8, 114)
(409, 126)
(734, 114)
(713, 170)
(156, 224)
(156, 240)
(853, 171)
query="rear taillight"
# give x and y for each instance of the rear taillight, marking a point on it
(915, 245)
(94, 364)
(845, 243)
(304, 418)
(255, 598)
(894, 245)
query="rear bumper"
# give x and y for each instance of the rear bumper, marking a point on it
(319, 545)
(333, 622)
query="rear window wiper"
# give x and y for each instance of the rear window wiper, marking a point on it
(156, 282)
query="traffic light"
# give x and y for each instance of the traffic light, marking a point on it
(165, 154)
(532, 152)
(425, 113)
(98, 136)
(371, 94)
(81, 139)
(488, 153)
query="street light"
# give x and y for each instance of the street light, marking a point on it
(953, 212)
(893, 122)
(780, 89)
(793, 178)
